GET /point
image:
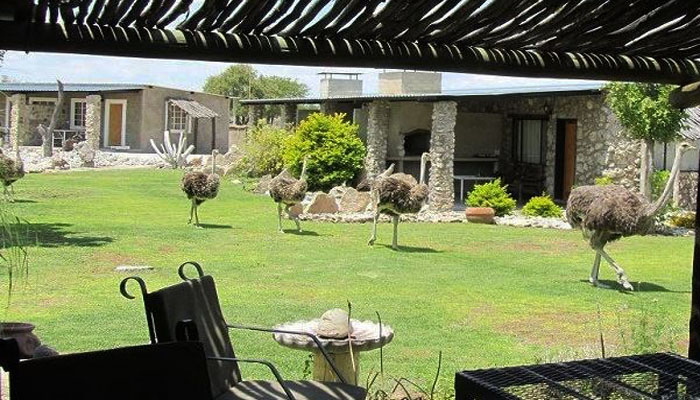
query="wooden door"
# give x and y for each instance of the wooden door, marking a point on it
(115, 124)
(569, 157)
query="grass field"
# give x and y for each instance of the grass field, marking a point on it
(484, 295)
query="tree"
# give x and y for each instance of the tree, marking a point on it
(243, 81)
(647, 115)
(334, 150)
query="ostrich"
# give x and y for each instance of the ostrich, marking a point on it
(284, 189)
(395, 195)
(200, 186)
(607, 213)
(10, 172)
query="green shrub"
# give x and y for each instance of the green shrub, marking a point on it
(262, 150)
(658, 182)
(542, 206)
(603, 181)
(683, 219)
(335, 151)
(492, 194)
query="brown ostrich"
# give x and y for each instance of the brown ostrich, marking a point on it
(284, 189)
(200, 186)
(10, 172)
(608, 213)
(394, 195)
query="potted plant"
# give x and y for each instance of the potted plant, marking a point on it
(488, 200)
(14, 259)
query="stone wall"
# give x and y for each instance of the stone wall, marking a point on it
(442, 147)
(377, 132)
(600, 146)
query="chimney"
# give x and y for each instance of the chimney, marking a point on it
(340, 84)
(410, 82)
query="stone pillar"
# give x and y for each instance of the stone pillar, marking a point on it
(442, 153)
(377, 134)
(93, 120)
(18, 121)
(289, 114)
(255, 113)
(327, 107)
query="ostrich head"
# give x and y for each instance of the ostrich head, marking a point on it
(661, 202)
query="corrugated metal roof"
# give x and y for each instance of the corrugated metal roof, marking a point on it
(194, 109)
(69, 87)
(692, 124)
(545, 90)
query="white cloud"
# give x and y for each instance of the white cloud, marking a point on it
(190, 75)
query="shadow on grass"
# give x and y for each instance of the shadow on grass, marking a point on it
(57, 235)
(215, 226)
(302, 233)
(24, 201)
(638, 286)
(410, 249)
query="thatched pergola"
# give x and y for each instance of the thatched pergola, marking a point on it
(629, 40)
(636, 40)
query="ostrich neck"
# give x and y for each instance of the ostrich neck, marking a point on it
(422, 171)
(213, 163)
(666, 195)
(303, 171)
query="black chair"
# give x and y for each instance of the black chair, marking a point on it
(169, 371)
(196, 301)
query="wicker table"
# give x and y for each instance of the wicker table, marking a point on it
(365, 337)
(651, 376)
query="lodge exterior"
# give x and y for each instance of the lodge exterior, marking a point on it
(543, 139)
(124, 116)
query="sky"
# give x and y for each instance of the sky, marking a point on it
(191, 75)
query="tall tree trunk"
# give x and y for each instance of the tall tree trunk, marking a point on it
(47, 133)
(645, 168)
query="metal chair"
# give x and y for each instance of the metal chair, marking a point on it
(196, 301)
(172, 371)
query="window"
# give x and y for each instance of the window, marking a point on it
(176, 118)
(78, 111)
(42, 101)
(528, 140)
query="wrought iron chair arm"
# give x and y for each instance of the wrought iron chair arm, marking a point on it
(268, 364)
(310, 335)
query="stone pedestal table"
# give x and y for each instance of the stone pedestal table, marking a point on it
(365, 337)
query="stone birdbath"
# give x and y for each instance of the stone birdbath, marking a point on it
(332, 331)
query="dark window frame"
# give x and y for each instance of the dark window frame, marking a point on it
(517, 137)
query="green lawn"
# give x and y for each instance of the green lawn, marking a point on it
(484, 295)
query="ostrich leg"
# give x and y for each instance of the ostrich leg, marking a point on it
(394, 244)
(373, 238)
(196, 215)
(279, 217)
(621, 276)
(596, 269)
(295, 219)
(191, 212)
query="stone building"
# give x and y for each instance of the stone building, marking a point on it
(117, 116)
(537, 139)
